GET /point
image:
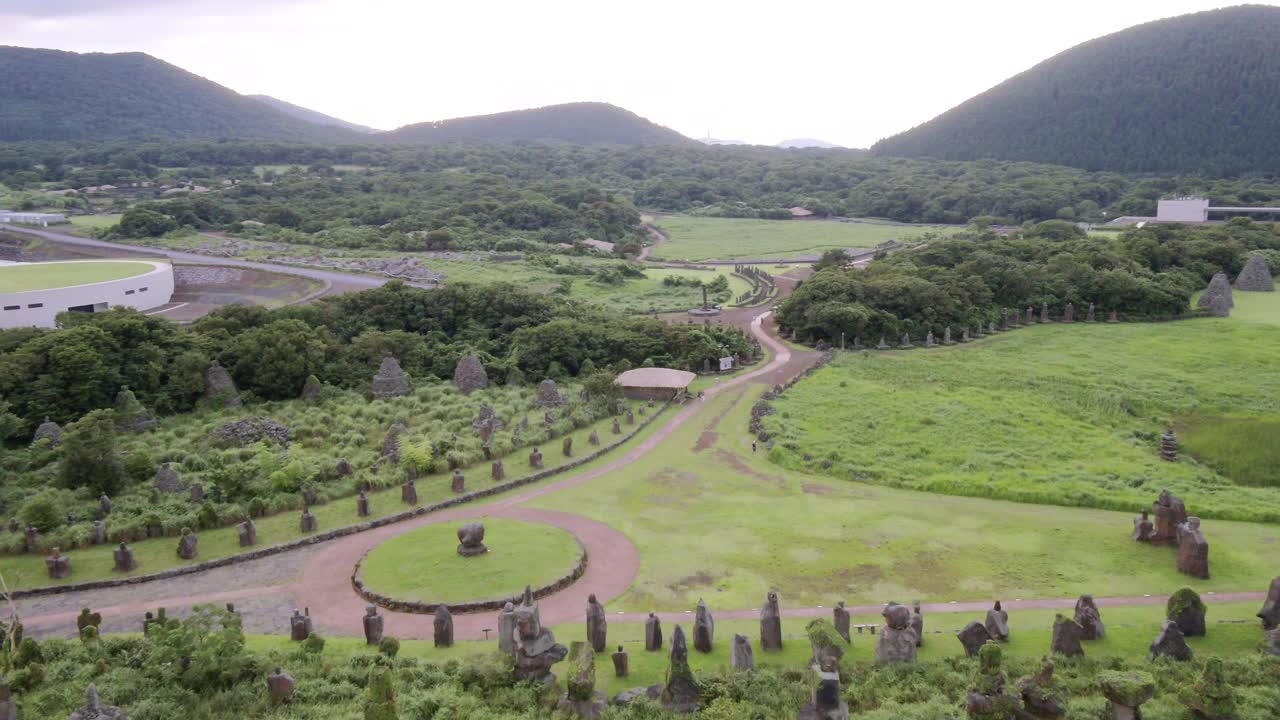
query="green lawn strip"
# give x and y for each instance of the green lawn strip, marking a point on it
(423, 565)
(693, 238)
(723, 524)
(1066, 415)
(87, 225)
(95, 562)
(1252, 307)
(25, 278)
(1130, 631)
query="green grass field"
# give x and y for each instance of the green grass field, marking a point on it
(692, 238)
(712, 520)
(42, 276)
(1067, 415)
(423, 565)
(89, 225)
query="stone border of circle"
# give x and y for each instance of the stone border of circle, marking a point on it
(470, 606)
(338, 532)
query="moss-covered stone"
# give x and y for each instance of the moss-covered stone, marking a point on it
(379, 696)
(1129, 689)
(582, 675)
(1181, 601)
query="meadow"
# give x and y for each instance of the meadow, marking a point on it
(20, 278)
(1064, 415)
(423, 565)
(713, 520)
(696, 239)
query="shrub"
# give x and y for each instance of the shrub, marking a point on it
(389, 646)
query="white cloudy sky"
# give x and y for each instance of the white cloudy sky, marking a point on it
(848, 71)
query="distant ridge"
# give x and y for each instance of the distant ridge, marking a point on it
(808, 143)
(583, 123)
(311, 116)
(1195, 93)
(57, 95)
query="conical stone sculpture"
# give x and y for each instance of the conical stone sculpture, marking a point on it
(469, 375)
(771, 624)
(219, 389)
(390, 380)
(1256, 276)
(680, 693)
(704, 628)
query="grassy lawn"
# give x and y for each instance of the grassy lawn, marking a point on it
(95, 562)
(424, 564)
(1066, 415)
(1129, 634)
(25, 278)
(711, 520)
(692, 238)
(88, 225)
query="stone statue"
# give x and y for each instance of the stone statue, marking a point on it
(1142, 528)
(443, 627)
(840, 618)
(300, 627)
(1256, 276)
(1170, 643)
(58, 565)
(409, 492)
(372, 622)
(593, 439)
(308, 521)
(280, 686)
(1067, 635)
(704, 628)
(1169, 446)
(506, 628)
(93, 709)
(998, 623)
(535, 459)
(897, 641)
(219, 389)
(652, 633)
(104, 507)
(390, 380)
(535, 647)
(166, 480)
(597, 624)
(248, 533)
(125, 561)
(471, 540)
(362, 504)
(188, 545)
(469, 375)
(917, 623)
(1193, 549)
(1088, 617)
(1170, 513)
(49, 431)
(740, 654)
(1270, 612)
(617, 429)
(620, 663)
(459, 482)
(771, 623)
(1091, 316)
(680, 693)
(973, 637)
(1070, 315)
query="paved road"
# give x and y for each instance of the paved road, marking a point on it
(342, 282)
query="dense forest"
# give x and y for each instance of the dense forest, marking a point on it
(973, 278)
(481, 195)
(1194, 93)
(56, 95)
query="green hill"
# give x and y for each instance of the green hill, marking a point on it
(1191, 93)
(311, 116)
(584, 123)
(56, 95)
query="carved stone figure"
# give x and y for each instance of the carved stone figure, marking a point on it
(704, 628)
(548, 395)
(1193, 549)
(1089, 618)
(1270, 612)
(166, 480)
(58, 565)
(1067, 635)
(1092, 314)
(219, 389)
(535, 459)
(897, 641)
(124, 559)
(597, 624)
(617, 429)
(1143, 528)
(469, 375)
(1070, 315)
(998, 623)
(1039, 701)
(840, 618)
(740, 654)
(390, 380)
(188, 545)
(593, 439)
(372, 622)
(621, 664)
(442, 627)
(680, 693)
(771, 623)
(300, 627)
(248, 533)
(535, 647)
(1256, 276)
(94, 709)
(1187, 610)
(280, 687)
(1170, 643)
(652, 633)
(917, 623)
(459, 482)
(307, 523)
(506, 628)
(409, 492)
(1169, 446)
(362, 504)
(1170, 513)
(471, 540)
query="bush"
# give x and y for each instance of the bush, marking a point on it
(389, 646)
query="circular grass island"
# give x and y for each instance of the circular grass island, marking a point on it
(420, 569)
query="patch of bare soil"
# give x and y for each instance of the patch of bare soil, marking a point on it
(817, 489)
(700, 579)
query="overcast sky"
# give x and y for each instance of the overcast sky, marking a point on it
(849, 71)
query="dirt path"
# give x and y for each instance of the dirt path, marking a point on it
(659, 238)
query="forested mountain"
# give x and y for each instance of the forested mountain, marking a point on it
(309, 115)
(1194, 93)
(56, 95)
(584, 123)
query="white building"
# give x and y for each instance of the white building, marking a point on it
(32, 294)
(30, 218)
(1196, 210)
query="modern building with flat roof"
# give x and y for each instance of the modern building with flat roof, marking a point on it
(32, 218)
(1197, 210)
(32, 294)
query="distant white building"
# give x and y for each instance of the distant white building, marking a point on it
(1196, 210)
(31, 218)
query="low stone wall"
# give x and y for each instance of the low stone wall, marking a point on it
(472, 606)
(339, 532)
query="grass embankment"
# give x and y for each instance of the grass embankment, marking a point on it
(1062, 415)
(90, 225)
(25, 278)
(694, 238)
(424, 565)
(359, 431)
(711, 520)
